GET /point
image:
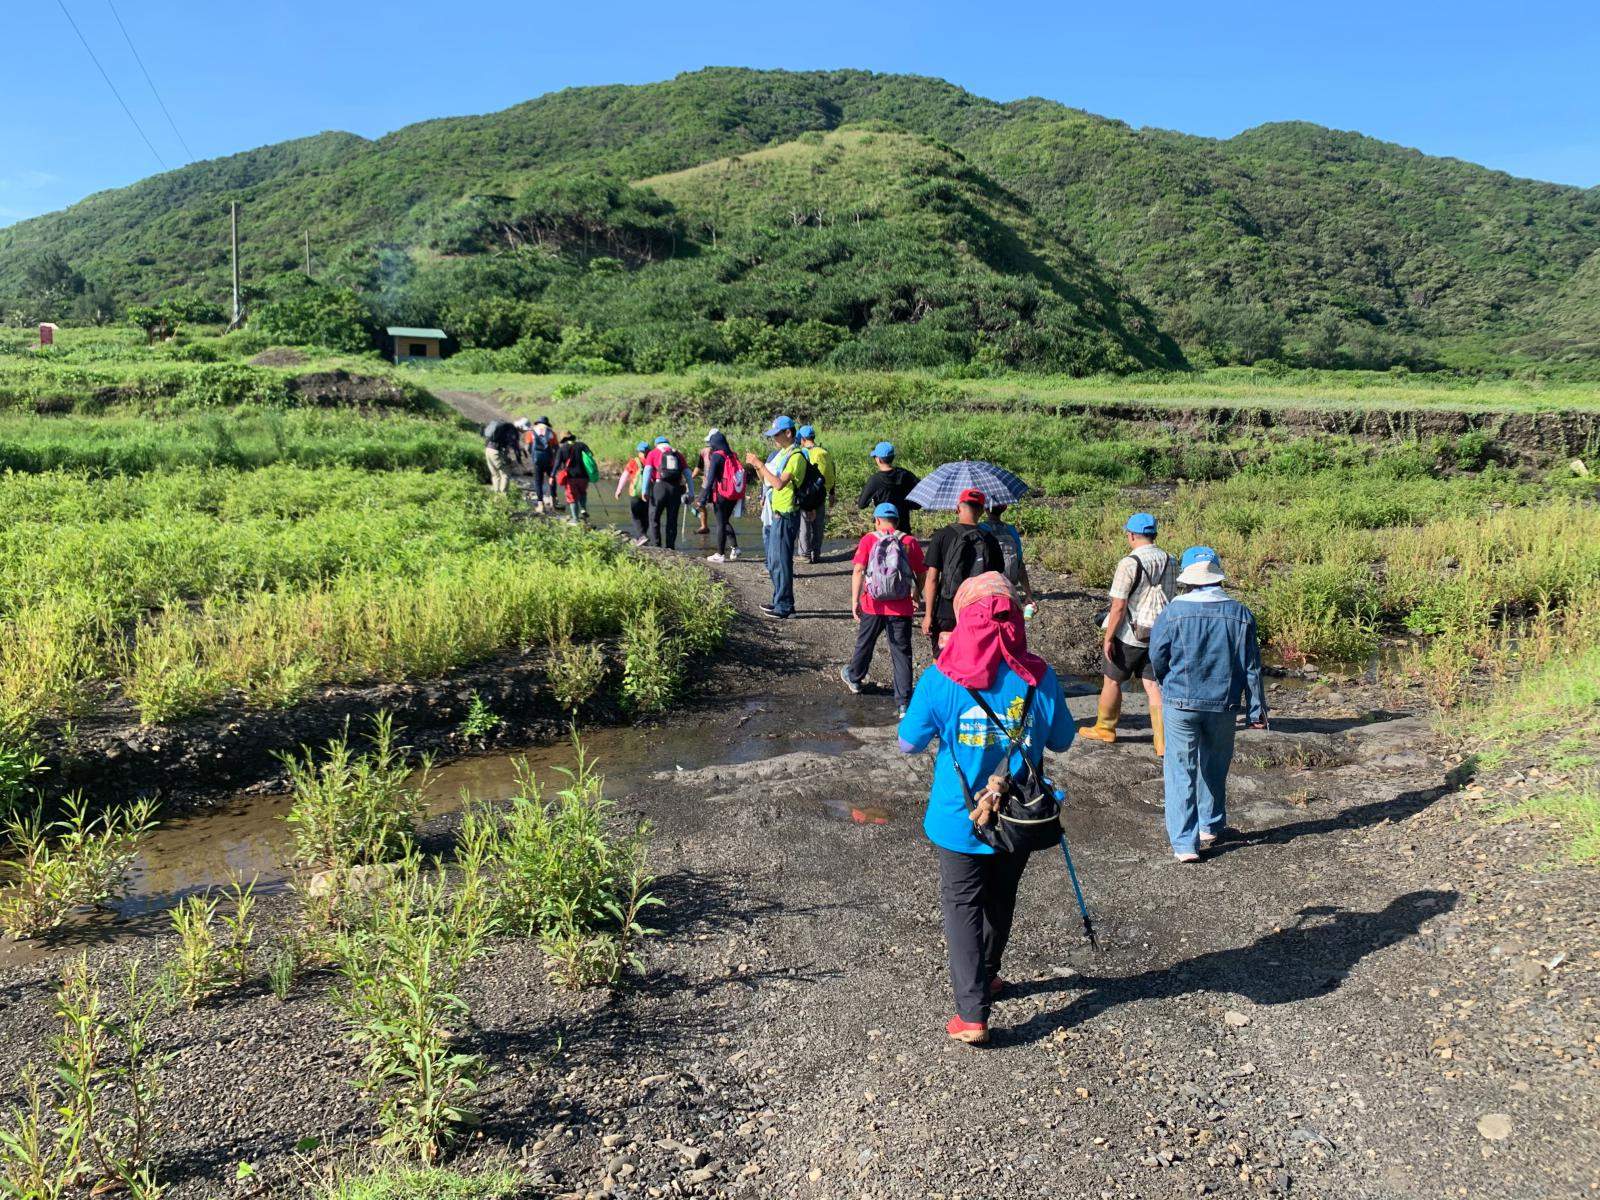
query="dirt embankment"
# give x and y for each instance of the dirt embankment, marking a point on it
(1534, 437)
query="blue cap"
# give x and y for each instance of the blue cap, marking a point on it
(779, 424)
(806, 431)
(886, 510)
(1141, 523)
(661, 441)
(883, 450)
(643, 446)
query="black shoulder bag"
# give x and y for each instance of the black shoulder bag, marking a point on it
(1029, 816)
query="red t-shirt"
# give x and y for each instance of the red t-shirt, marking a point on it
(890, 608)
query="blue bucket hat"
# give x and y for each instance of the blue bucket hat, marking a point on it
(1142, 524)
(806, 431)
(661, 441)
(644, 447)
(1199, 567)
(883, 450)
(886, 510)
(779, 424)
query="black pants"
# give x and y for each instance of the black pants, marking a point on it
(665, 501)
(899, 631)
(639, 507)
(977, 897)
(722, 511)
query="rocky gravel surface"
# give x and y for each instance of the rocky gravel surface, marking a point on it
(1372, 992)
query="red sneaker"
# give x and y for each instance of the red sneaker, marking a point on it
(973, 1033)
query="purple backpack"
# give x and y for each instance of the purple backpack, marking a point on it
(889, 569)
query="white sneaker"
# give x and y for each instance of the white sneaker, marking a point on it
(733, 555)
(715, 558)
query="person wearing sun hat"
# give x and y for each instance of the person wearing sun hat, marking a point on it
(1141, 587)
(1205, 654)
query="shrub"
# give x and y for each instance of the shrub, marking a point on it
(103, 1100)
(66, 864)
(652, 664)
(197, 967)
(354, 809)
(560, 874)
(400, 970)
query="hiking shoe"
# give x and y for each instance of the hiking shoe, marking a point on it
(855, 688)
(1187, 856)
(997, 988)
(900, 713)
(733, 555)
(716, 558)
(644, 541)
(1095, 734)
(1208, 840)
(973, 1033)
(773, 614)
(769, 610)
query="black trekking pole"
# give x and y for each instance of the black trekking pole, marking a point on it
(1072, 874)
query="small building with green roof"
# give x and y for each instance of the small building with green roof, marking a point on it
(410, 345)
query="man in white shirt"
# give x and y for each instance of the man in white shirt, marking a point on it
(1144, 582)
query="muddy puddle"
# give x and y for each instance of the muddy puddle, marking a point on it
(246, 837)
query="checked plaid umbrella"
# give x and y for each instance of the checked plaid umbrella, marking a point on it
(942, 485)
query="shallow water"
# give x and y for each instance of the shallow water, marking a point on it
(246, 837)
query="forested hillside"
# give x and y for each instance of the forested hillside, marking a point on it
(708, 218)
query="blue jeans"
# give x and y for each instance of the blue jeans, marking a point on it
(1199, 751)
(778, 540)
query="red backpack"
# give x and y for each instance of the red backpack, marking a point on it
(730, 481)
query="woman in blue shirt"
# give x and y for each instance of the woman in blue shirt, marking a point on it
(987, 655)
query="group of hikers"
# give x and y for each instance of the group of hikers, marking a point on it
(554, 461)
(994, 706)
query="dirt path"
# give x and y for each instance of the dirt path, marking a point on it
(1372, 994)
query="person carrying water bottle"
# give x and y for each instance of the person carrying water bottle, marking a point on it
(888, 576)
(995, 708)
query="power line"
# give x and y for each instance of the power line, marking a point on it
(112, 86)
(148, 80)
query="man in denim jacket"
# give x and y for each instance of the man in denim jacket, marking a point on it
(1204, 652)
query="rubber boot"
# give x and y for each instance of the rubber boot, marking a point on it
(1105, 727)
(1158, 732)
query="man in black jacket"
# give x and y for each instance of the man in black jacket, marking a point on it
(889, 484)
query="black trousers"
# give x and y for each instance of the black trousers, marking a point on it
(722, 512)
(664, 505)
(639, 508)
(977, 898)
(544, 485)
(899, 631)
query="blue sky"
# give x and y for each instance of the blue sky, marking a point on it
(1508, 85)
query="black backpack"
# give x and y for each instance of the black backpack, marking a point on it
(494, 432)
(1030, 812)
(962, 555)
(810, 489)
(671, 470)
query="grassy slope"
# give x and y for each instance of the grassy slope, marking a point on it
(1224, 388)
(1294, 216)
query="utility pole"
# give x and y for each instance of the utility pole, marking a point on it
(233, 220)
(308, 253)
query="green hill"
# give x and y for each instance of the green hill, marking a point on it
(1023, 234)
